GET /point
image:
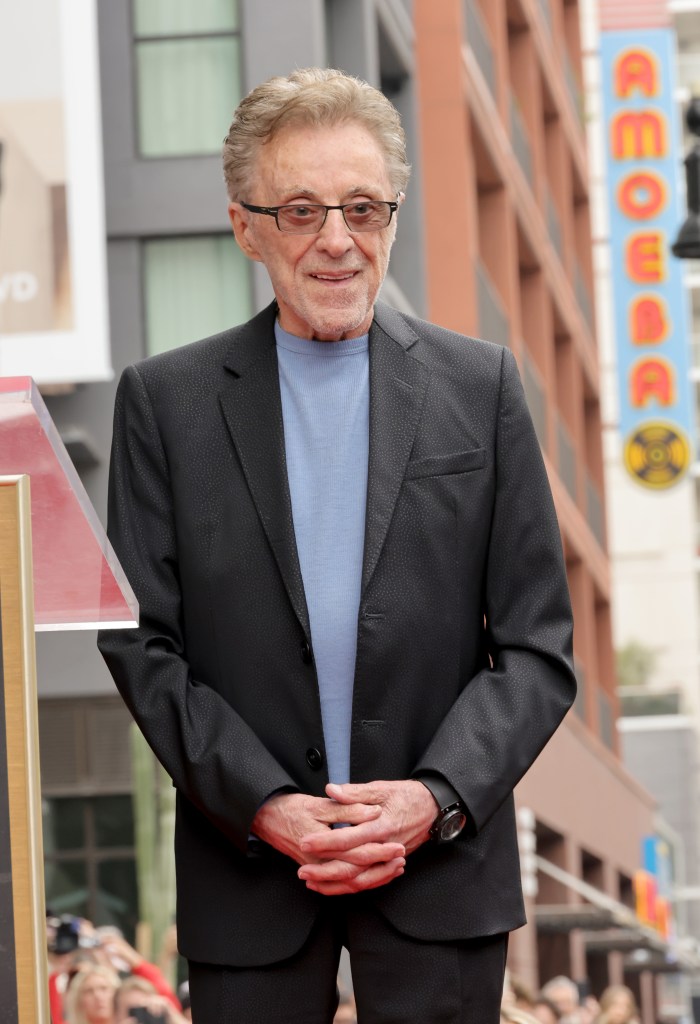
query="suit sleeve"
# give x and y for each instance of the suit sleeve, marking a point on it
(506, 713)
(214, 758)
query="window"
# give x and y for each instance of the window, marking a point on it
(188, 79)
(193, 287)
(88, 826)
(89, 859)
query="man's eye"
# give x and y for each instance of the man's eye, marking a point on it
(299, 212)
(361, 209)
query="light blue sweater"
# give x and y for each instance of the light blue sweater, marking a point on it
(325, 408)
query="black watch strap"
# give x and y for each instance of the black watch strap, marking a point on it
(444, 794)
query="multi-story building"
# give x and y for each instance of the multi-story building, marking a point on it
(494, 241)
(652, 534)
(505, 152)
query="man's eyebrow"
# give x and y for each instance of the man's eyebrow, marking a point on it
(301, 191)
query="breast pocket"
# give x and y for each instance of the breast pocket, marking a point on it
(443, 465)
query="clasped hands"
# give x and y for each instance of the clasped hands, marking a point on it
(385, 821)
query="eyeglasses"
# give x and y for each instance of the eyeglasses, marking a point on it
(307, 219)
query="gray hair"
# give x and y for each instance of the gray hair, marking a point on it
(561, 981)
(313, 97)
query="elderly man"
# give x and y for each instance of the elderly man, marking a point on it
(354, 609)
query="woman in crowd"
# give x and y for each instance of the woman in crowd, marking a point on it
(90, 996)
(137, 993)
(618, 1006)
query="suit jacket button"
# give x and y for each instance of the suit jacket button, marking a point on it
(314, 758)
(306, 653)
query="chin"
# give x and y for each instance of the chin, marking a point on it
(338, 323)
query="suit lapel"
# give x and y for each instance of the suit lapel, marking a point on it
(397, 389)
(252, 408)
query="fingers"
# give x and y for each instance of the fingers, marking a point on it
(372, 878)
(362, 792)
(352, 863)
(351, 812)
(332, 842)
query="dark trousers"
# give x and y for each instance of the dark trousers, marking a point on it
(397, 979)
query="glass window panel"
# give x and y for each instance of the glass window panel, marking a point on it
(64, 824)
(182, 17)
(66, 887)
(114, 821)
(116, 900)
(187, 92)
(193, 287)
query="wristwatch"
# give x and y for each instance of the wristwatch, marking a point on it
(448, 824)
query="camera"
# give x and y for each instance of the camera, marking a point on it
(67, 937)
(144, 1016)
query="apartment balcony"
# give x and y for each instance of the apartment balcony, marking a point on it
(595, 513)
(536, 399)
(573, 88)
(520, 142)
(546, 13)
(554, 224)
(580, 702)
(583, 297)
(480, 43)
(493, 321)
(566, 458)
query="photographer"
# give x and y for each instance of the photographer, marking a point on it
(76, 945)
(136, 1000)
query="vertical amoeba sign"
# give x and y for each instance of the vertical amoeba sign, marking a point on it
(651, 316)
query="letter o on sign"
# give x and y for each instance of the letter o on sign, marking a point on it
(642, 196)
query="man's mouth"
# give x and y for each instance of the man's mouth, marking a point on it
(345, 275)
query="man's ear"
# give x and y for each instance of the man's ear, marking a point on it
(241, 225)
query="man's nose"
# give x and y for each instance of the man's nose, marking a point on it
(334, 237)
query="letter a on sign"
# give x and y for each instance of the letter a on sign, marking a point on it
(636, 70)
(651, 380)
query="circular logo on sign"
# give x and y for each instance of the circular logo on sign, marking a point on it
(657, 455)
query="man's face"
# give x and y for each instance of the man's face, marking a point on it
(326, 283)
(564, 998)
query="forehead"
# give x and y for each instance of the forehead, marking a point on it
(94, 982)
(324, 162)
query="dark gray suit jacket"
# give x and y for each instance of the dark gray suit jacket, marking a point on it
(464, 660)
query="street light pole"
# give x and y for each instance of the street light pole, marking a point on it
(687, 244)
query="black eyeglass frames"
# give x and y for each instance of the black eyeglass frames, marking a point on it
(308, 218)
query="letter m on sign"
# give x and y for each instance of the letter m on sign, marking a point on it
(639, 134)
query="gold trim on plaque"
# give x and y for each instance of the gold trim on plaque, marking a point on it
(22, 733)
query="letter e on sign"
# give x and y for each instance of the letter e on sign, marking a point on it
(644, 258)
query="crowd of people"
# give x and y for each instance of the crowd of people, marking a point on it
(561, 1002)
(97, 977)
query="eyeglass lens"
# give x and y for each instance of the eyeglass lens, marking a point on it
(368, 216)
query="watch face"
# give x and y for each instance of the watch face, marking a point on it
(452, 825)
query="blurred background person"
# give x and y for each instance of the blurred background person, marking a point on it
(545, 1011)
(90, 995)
(618, 1006)
(138, 994)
